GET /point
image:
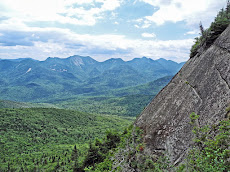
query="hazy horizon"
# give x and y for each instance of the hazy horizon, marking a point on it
(90, 57)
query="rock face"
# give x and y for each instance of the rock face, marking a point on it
(201, 86)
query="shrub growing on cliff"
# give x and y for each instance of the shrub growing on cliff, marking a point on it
(98, 152)
(210, 153)
(130, 155)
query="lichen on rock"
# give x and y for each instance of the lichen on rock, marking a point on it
(201, 86)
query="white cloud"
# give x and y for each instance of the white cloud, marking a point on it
(193, 32)
(70, 2)
(142, 23)
(64, 43)
(62, 11)
(110, 5)
(41, 43)
(148, 35)
(138, 20)
(190, 11)
(146, 24)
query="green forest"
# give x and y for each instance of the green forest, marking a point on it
(41, 138)
(47, 139)
(94, 131)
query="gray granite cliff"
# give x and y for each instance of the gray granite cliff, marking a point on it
(201, 86)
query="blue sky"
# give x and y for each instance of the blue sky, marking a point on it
(102, 29)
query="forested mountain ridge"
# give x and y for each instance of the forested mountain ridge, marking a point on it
(17, 105)
(128, 101)
(23, 79)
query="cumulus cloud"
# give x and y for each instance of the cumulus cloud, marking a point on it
(20, 38)
(193, 32)
(146, 24)
(61, 11)
(148, 35)
(192, 12)
(41, 43)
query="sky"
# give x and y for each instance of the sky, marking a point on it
(103, 29)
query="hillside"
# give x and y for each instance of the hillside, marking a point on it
(16, 105)
(150, 88)
(129, 101)
(31, 138)
(55, 78)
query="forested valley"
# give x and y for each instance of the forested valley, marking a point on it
(78, 114)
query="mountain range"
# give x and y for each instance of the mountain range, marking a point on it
(32, 80)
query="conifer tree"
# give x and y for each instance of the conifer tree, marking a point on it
(93, 156)
(75, 167)
(228, 9)
(74, 155)
(57, 166)
(201, 29)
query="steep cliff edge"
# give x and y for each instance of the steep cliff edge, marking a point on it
(201, 86)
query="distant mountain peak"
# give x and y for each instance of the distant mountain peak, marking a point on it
(161, 59)
(115, 60)
(75, 56)
(142, 59)
(84, 59)
(52, 58)
(76, 60)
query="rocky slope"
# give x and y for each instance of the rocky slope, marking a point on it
(201, 86)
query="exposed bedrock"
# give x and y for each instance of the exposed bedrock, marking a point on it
(201, 86)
